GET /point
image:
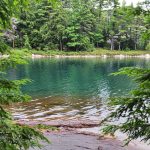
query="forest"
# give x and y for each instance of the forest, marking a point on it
(80, 25)
(73, 25)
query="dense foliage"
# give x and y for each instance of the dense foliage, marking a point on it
(132, 113)
(72, 25)
(81, 25)
(13, 136)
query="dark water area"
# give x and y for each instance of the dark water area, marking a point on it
(72, 87)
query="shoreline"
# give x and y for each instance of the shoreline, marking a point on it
(85, 128)
(97, 53)
(69, 140)
(80, 130)
(121, 56)
(34, 56)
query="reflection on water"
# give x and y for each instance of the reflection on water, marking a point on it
(76, 88)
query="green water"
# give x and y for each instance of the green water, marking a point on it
(72, 87)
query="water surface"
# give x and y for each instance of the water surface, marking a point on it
(72, 87)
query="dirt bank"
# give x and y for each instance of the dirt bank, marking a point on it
(76, 141)
(74, 124)
(81, 135)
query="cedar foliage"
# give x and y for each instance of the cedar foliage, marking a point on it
(133, 111)
(12, 135)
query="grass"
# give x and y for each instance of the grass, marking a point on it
(97, 52)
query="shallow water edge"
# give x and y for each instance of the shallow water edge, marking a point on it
(91, 56)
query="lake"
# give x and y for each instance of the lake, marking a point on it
(71, 88)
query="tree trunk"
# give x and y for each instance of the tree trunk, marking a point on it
(119, 46)
(135, 47)
(100, 10)
(112, 43)
(60, 42)
(13, 44)
(97, 44)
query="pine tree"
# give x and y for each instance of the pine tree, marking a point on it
(133, 111)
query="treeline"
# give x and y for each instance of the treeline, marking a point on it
(74, 25)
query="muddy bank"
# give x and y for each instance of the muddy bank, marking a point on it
(74, 124)
(75, 141)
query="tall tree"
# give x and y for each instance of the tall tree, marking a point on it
(81, 24)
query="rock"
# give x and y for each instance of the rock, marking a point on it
(100, 148)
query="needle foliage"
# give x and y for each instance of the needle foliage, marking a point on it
(12, 135)
(133, 111)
